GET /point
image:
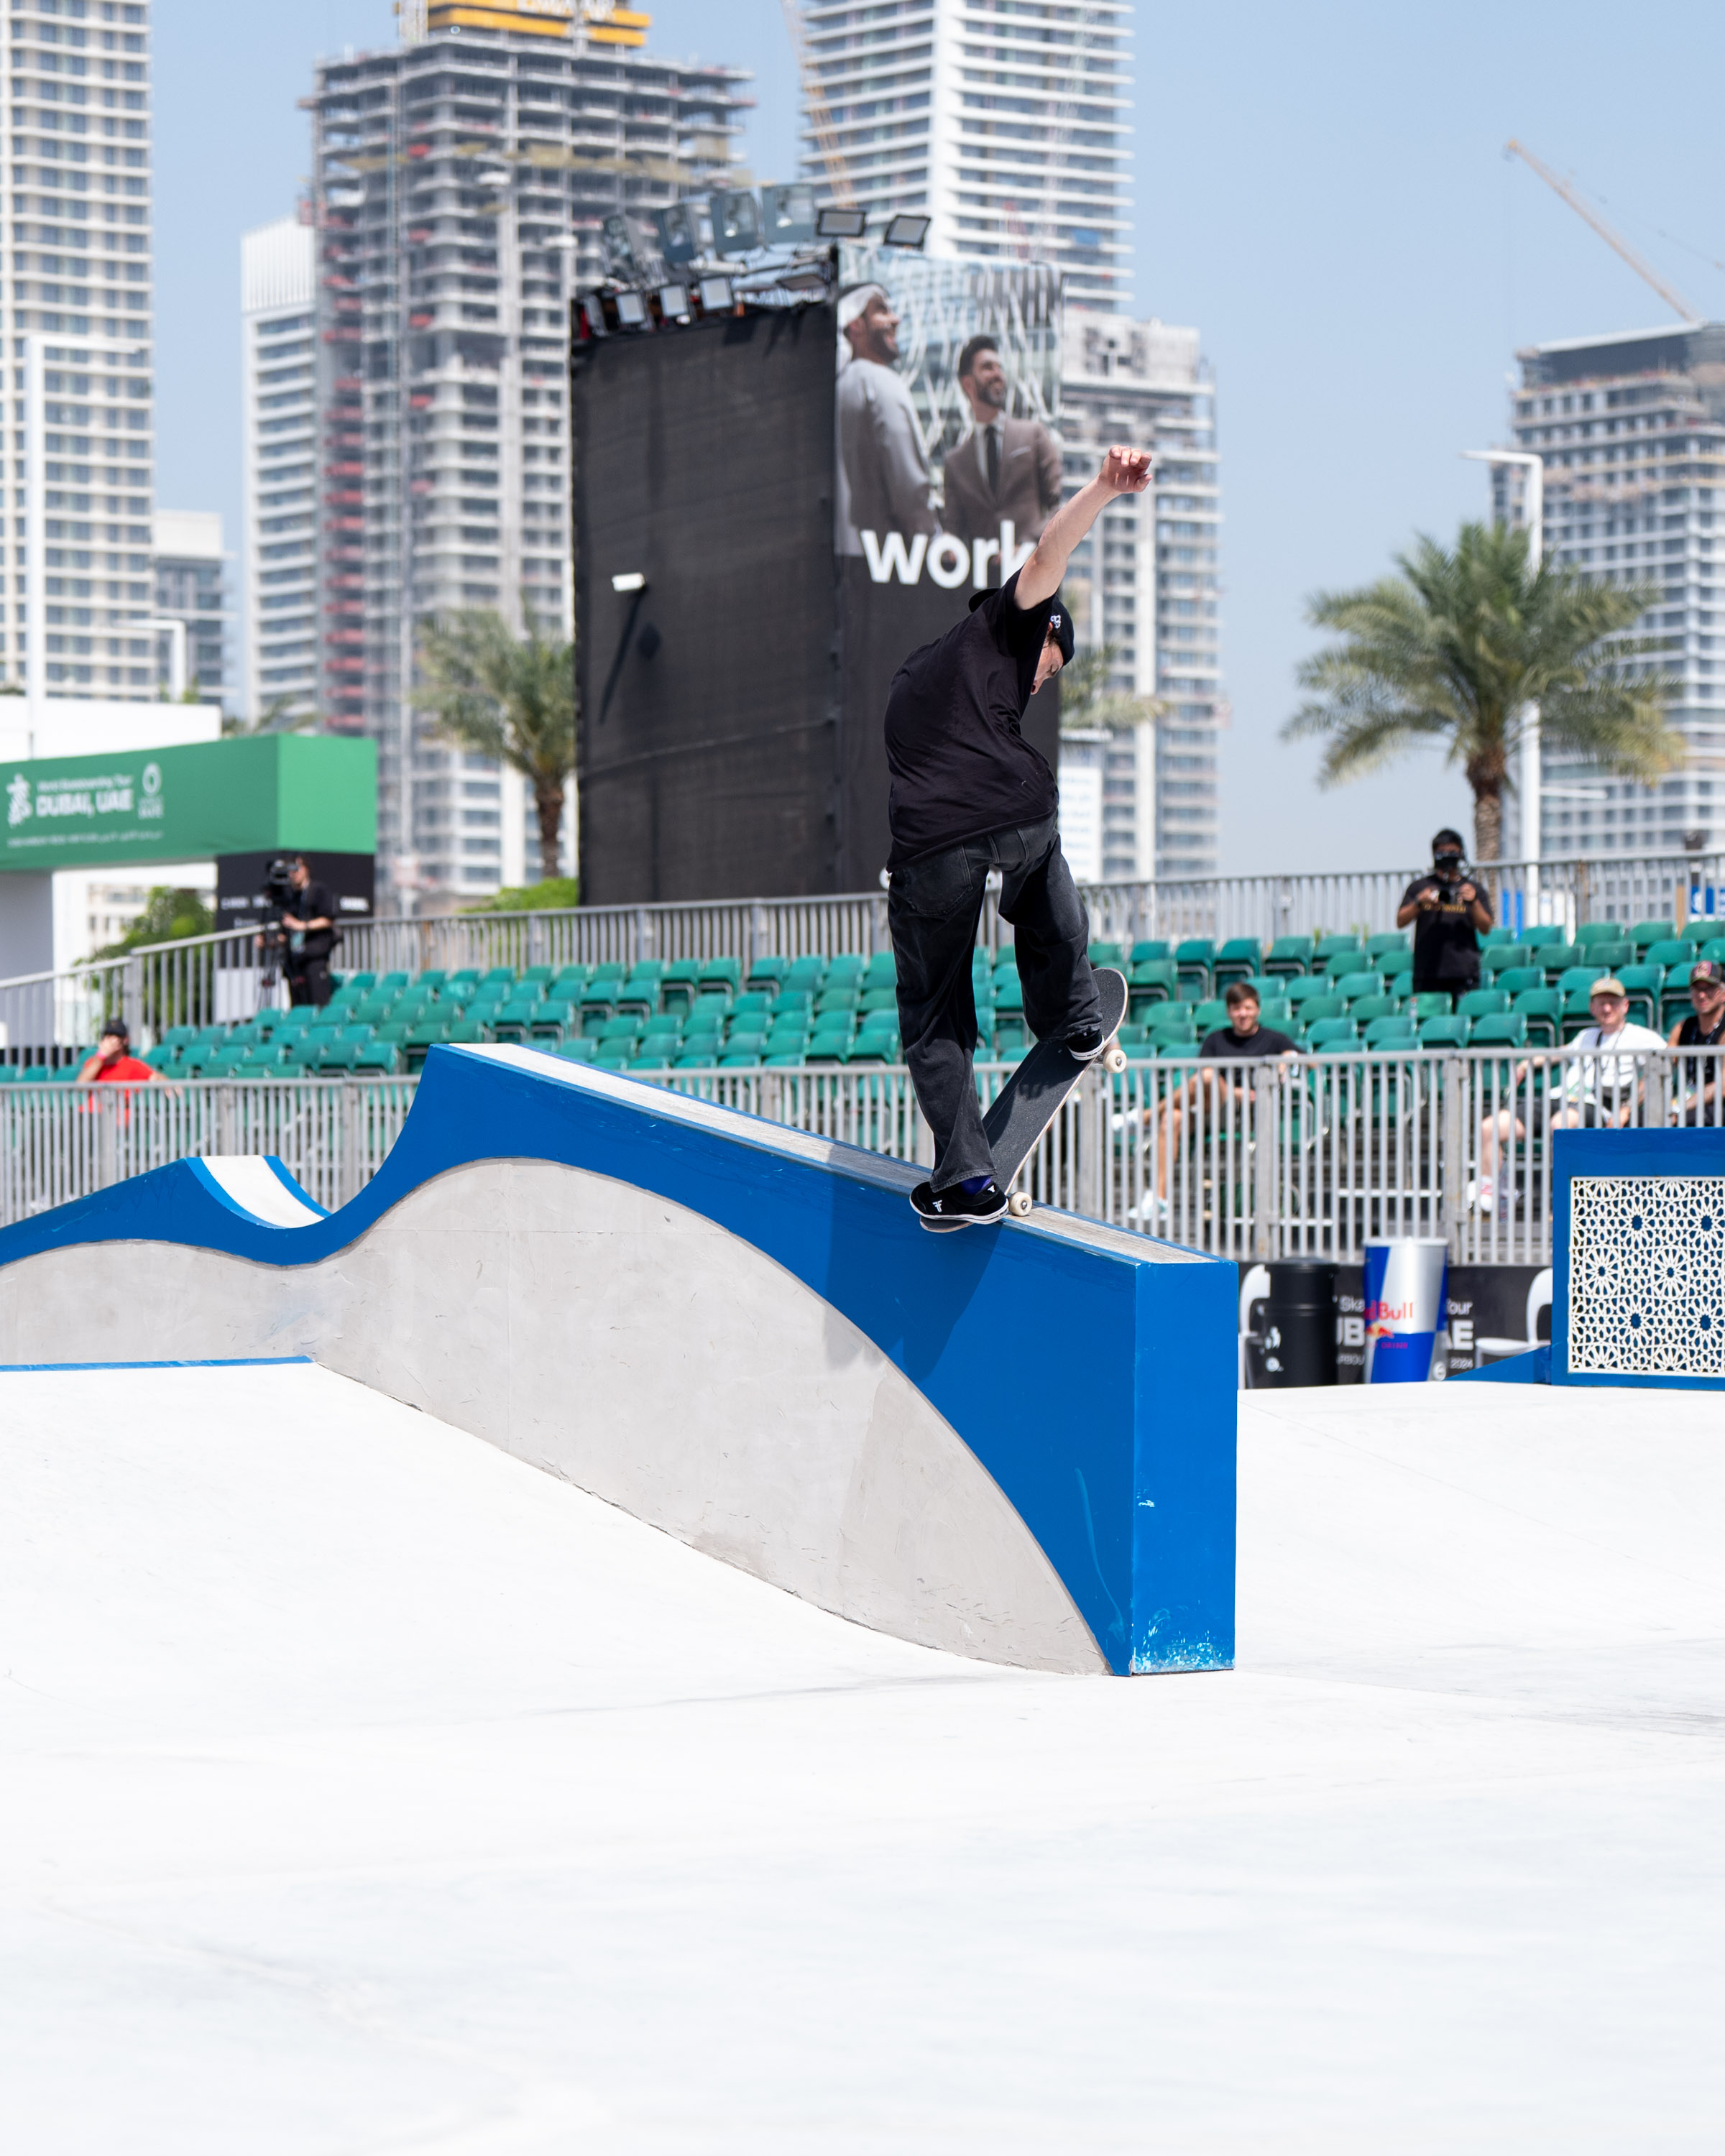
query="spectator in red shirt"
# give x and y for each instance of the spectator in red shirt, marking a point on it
(113, 1062)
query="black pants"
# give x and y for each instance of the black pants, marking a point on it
(309, 982)
(931, 910)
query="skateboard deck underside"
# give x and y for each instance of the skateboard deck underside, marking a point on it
(1031, 1098)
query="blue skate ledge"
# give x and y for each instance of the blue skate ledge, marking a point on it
(1090, 1371)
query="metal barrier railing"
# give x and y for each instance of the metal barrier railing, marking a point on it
(1258, 1161)
(211, 980)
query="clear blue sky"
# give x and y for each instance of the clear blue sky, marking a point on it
(1322, 190)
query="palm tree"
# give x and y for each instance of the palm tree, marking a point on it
(505, 696)
(1457, 646)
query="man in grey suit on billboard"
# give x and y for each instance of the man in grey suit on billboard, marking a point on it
(1004, 471)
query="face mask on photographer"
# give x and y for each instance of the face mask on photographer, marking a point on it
(1446, 853)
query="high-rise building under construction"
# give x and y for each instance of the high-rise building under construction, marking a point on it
(1631, 434)
(461, 182)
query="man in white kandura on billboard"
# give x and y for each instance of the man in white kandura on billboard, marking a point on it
(883, 460)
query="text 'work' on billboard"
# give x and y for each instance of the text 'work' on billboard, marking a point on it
(949, 561)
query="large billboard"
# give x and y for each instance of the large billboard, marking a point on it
(948, 460)
(774, 509)
(947, 466)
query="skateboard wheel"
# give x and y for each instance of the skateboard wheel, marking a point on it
(1114, 1059)
(1019, 1204)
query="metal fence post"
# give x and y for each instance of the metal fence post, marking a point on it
(1264, 1090)
(1455, 1159)
(1092, 1134)
(350, 1109)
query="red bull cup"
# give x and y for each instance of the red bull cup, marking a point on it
(1407, 1303)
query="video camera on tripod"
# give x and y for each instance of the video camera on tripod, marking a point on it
(275, 941)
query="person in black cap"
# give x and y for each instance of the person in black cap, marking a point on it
(970, 794)
(1448, 908)
(1698, 1101)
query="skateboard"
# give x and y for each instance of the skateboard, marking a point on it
(1032, 1097)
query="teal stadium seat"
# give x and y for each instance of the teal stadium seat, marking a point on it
(1444, 1033)
(1193, 960)
(677, 988)
(1500, 1029)
(1289, 955)
(1238, 960)
(1543, 1010)
(1152, 980)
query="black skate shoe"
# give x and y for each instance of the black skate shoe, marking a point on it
(958, 1208)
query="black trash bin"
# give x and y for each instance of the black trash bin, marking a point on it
(1293, 1341)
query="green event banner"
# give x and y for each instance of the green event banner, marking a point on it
(259, 794)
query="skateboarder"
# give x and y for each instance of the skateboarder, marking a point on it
(970, 794)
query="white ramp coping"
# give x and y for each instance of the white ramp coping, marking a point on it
(364, 1788)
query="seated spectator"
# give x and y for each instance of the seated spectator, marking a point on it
(1588, 1090)
(113, 1063)
(1704, 1028)
(1243, 1036)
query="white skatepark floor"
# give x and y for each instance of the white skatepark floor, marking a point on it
(364, 1790)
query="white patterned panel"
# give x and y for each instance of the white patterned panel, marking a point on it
(1647, 1275)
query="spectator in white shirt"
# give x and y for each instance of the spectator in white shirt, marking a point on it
(1590, 1090)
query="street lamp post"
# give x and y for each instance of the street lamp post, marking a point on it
(1533, 836)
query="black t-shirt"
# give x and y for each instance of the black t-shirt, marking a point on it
(1446, 945)
(1690, 1035)
(960, 765)
(314, 903)
(1266, 1041)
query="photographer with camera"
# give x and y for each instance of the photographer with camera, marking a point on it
(1447, 910)
(309, 917)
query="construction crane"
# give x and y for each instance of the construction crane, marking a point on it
(820, 118)
(1619, 245)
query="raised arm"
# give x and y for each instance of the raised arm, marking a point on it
(1124, 471)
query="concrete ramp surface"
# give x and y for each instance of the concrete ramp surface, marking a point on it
(364, 1788)
(1015, 1443)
